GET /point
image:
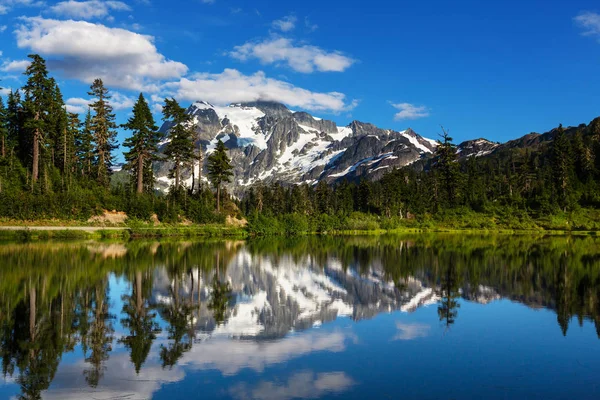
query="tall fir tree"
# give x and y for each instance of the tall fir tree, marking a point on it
(103, 130)
(143, 144)
(14, 120)
(220, 169)
(37, 98)
(84, 143)
(562, 167)
(3, 129)
(448, 167)
(180, 148)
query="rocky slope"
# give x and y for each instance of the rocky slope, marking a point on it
(268, 142)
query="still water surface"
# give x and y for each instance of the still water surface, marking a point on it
(430, 317)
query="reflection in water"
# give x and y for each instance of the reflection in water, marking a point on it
(232, 306)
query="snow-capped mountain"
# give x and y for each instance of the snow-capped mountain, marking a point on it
(268, 142)
(275, 295)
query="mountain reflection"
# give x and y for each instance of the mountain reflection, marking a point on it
(230, 306)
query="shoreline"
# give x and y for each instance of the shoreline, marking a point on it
(42, 232)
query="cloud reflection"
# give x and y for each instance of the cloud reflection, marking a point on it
(411, 331)
(305, 385)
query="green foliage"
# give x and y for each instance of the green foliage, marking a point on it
(143, 145)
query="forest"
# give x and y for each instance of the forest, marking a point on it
(53, 165)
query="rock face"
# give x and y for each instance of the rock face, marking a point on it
(267, 142)
(476, 148)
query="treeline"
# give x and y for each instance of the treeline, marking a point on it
(553, 185)
(53, 165)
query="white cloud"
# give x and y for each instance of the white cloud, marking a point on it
(7, 5)
(208, 1)
(411, 331)
(409, 111)
(118, 101)
(285, 24)
(301, 385)
(85, 51)
(4, 91)
(15, 66)
(231, 86)
(303, 58)
(590, 22)
(3, 28)
(88, 9)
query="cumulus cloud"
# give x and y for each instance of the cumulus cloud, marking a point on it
(3, 28)
(85, 51)
(409, 111)
(285, 24)
(589, 22)
(88, 9)
(118, 101)
(301, 385)
(7, 5)
(301, 58)
(14, 66)
(231, 86)
(411, 331)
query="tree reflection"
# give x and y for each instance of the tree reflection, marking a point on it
(449, 294)
(97, 343)
(139, 319)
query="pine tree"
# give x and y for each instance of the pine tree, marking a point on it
(3, 129)
(71, 135)
(448, 167)
(180, 148)
(562, 167)
(14, 123)
(143, 143)
(38, 91)
(220, 169)
(84, 143)
(103, 130)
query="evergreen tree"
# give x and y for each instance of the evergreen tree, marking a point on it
(3, 129)
(84, 143)
(37, 96)
(562, 167)
(448, 167)
(14, 120)
(143, 143)
(70, 141)
(103, 131)
(180, 148)
(220, 169)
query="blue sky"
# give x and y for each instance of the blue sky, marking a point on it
(481, 69)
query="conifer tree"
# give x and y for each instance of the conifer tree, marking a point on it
(103, 130)
(84, 143)
(180, 148)
(71, 135)
(3, 129)
(447, 166)
(143, 143)
(14, 123)
(37, 96)
(220, 169)
(562, 166)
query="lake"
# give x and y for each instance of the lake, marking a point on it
(389, 317)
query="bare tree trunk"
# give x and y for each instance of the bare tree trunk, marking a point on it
(140, 175)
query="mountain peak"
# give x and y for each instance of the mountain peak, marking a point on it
(270, 108)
